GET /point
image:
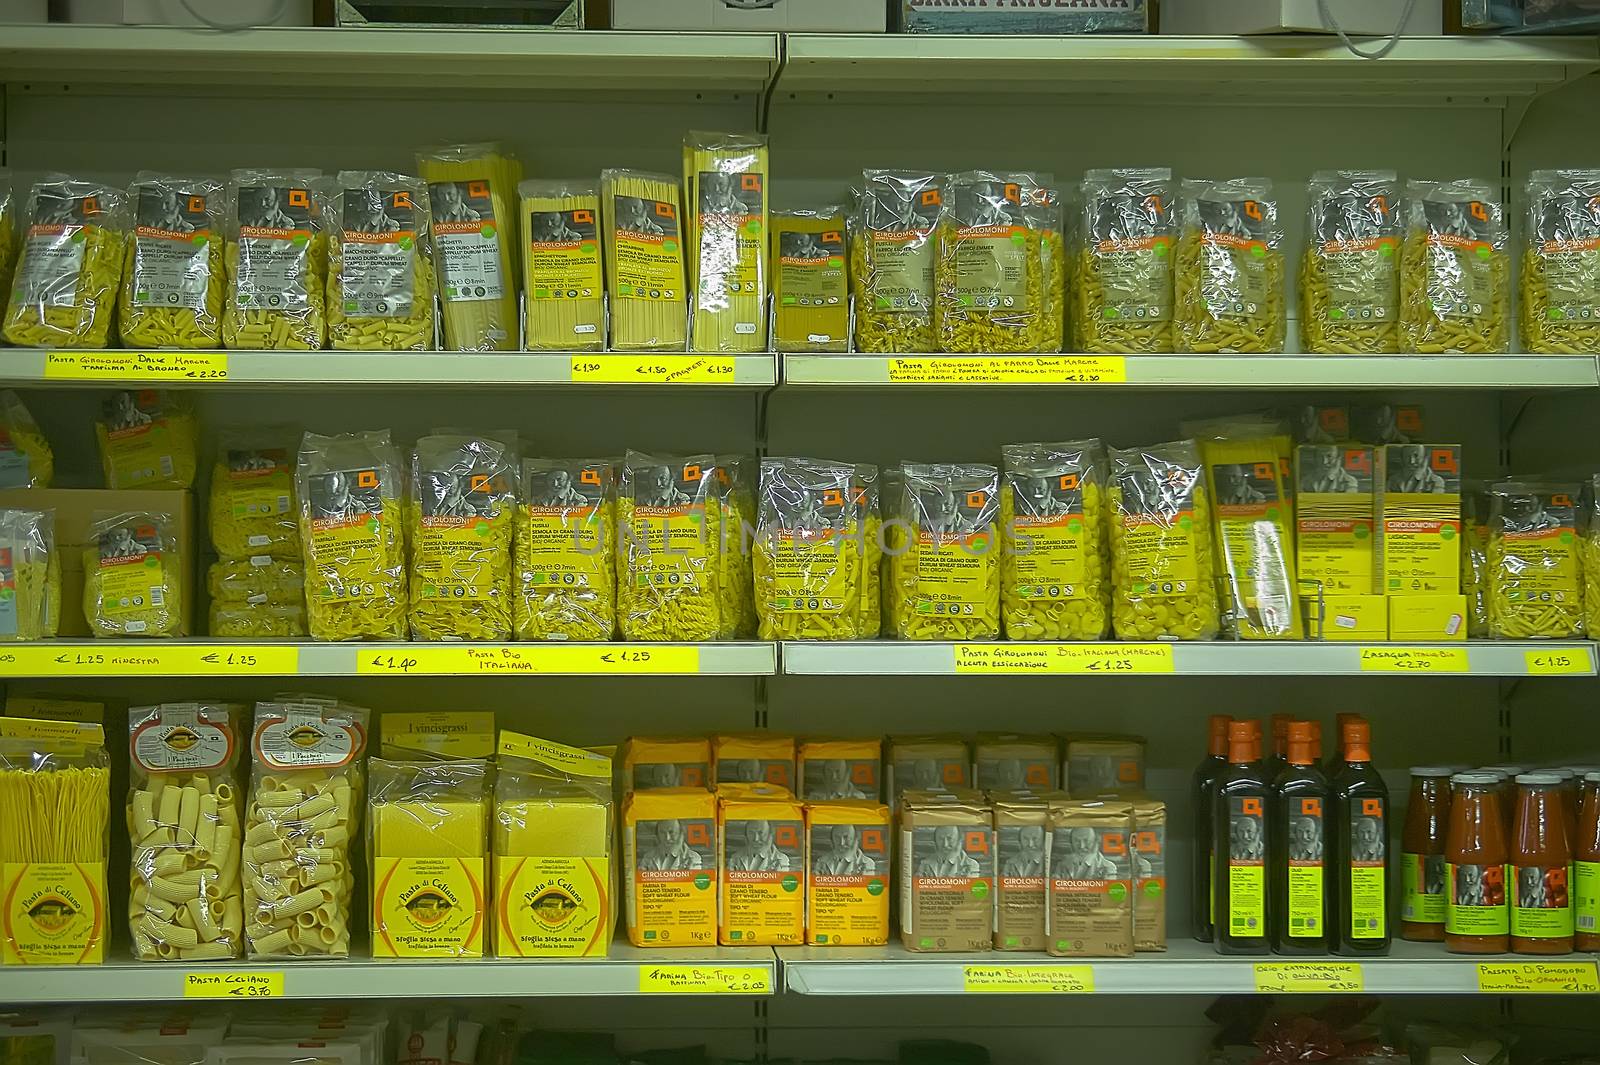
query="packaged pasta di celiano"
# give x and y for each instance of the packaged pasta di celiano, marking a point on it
(462, 505)
(380, 263)
(1228, 281)
(1455, 270)
(172, 285)
(350, 489)
(1122, 284)
(1350, 274)
(277, 260)
(66, 280)
(1561, 262)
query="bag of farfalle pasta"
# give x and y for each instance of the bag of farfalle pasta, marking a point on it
(30, 575)
(565, 578)
(462, 517)
(1561, 263)
(352, 530)
(669, 548)
(808, 551)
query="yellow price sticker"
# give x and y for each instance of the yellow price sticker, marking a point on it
(151, 658)
(705, 980)
(1309, 977)
(211, 984)
(1414, 660)
(136, 367)
(666, 369)
(1564, 662)
(1028, 979)
(1063, 658)
(1538, 978)
(1000, 370)
(465, 660)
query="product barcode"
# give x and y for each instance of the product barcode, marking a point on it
(283, 504)
(1586, 920)
(158, 596)
(166, 465)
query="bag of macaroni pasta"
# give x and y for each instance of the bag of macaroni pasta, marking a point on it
(1561, 262)
(174, 277)
(26, 459)
(66, 280)
(1161, 544)
(462, 504)
(808, 548)
(892, 254)
(277, 260)
(1122, 288)
(1055, 580)
(733, 484)
(30, 575)
(947, 576)
(566, 581)
(186, 898)
(303, 811)
(1350, 276)
(669, 540)
(147, 439)
(350, 489)
(380, 263)
(260, 596)
(989, 273)
(251, 508)
(1535, 562)
(133, 575)
(1455, 270)
(1228, 281)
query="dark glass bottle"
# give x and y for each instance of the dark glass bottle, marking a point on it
(1359, 808)
(1200, 793)
(1299, 906)
(1241, 825)
(1275, 759)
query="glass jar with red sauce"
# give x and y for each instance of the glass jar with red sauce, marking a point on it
(1541, 863)
(1586, 867)
(1477, 920)
(1422, 872)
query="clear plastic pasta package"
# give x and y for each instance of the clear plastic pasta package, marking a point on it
(1350, 273)
(350, 490)
(175, 274)
(733, 482)
(810, 281)
(564, 555)
(1253, 513)
(893, 250)
(472, 191)
(947, 572)
(669, 546)
(277, 261)
(989, 273)
(808, 551)
(1229, 284)
(30, 575)
(251, 507)
(1123, 270)
(1560, 304)
(148, 1037)
(1455, 270)
(186, 900)
(1475, 512)
(1046, 216)
(133, 579)
(1590, 552)
(463, 514)
(562, 283)
(1055, 572)
(381, 286)
(1162, 560)
(66, 280)
(304, 809)
(260, 596)
(867, 492)
(1535, 561)
(148, 439)
(26, 458)
(725, 187)
(645, 274)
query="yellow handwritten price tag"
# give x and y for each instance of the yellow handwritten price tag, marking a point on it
(1028, 979)
(1538, 978)
(136, 367)
(1564, 662)
(1414, 660)
(1012, 370)
(1308, 978)
(621, 659)
(216, 984)
(1063, 658)
(665, 369)
(705, 980)
(151, 658)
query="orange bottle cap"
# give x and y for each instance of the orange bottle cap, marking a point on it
(1357, 736)
(1300, 738)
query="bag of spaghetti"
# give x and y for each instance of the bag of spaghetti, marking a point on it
(380, 263)
(1535, 562)
(645, 273)
(734, 486)
(173, 281)
(563, 555)
(725, 189)
(1350, 273)
(892, 254)
(1228, 281)
(1122, 288)
(147, 439)
(133, 579)
(1253, 517)
(1055, 579)
(55, 789)
(26, 459)
(30, 575)
(808, 550)
(251, 509)
(810, 282)
(257, 596)
(184, 828)
(1162, 563)
(277, 261)
(1561, 263)
(1455, 270)
(669, 541)
(349, 489)
(561, 276)
(947, 576)
(472, 190)
(66, 279)
(462, 517)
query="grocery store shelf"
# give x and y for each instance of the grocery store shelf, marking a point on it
(1232, 372)
(1186, 968)
(1501, 658)
(1264, 70)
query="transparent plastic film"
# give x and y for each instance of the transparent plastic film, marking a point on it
(175, 275)
(565, 560)
(67, 276)
(277, 261)
(133, 577)
(989, 273)
(472, 192)
(1455, 270)
(1055, 566)
(867, 491)
(1475, 512)
(26, 458)
(725, 184)
(893, 250)
(251, 505)
(669, 546)
(349, 490)
(1253, 519)
(735, 487)
(644, 246)
(808, 551)
(381, 278)
(1560, 305)
(810, 281)
(947, 575)
(30, 576)
(1535, 561)
(462, 509)
(1350, 273)
(1046, 215)
(1163, 565)
(1229, 288)
(148, 439)
(1123, 269)
(561, 265)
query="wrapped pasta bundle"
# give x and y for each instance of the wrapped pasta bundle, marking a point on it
(66, 279)
(989, 275)
(462, 503)
(472, 189)
(644, 261)
(277, 261)
(257, 596)
(26, 459)
(1253, 516)
(1350, 276)
(1228, 281)
(350, 489)
(133, 575)
(1535, 563)
(737, 530)
(251, 507)
(669, 546)
(380, 266)
(30, 575)
(808, 551)
(1161, 544)
(1561, 263)
(947, 577)
(725, 186)
(1122, 288)
(174, 277)
(561, 277)
(1054, 580)
(1455, 270)
(147, 439)
(186, 900)
(304, 808)
(892, 255)
(566, 581)
(810, 284)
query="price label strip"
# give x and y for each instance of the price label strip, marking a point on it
(705, 980)
(151, 658)
(1538, 978)
(1309, 978)
(1568, 661)
(1108, 658)
(1028, 979)
(217, 984)
(1414, 660)
(1032, 370)
(462, 660)
(137, 367)
(653, 369)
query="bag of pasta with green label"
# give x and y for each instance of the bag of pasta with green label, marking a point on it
(1535, 561)
(277, 261)
(26, 459)
(1162, 562)
(1054, 581)
(947, 576)
(462, 517)
(133, 579)
(892, 254)
(1229, 292)
(30, 575)
(989, 273)
(148, 439)
(66, 280)
(349, 489)
(251, 507)
(380, 263)
(173, 281)
(1350, 273)
(1122, 288)
(735, 581)
(1455, 270)
(565, 562)
(1561, 263)
(669, 540)
(808, 551)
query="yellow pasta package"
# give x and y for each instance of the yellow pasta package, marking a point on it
(1560, 305)
(1044, 209)
(1229, 286)
(1122, 289)
(380, 263)
(186, 898)
(66, 280)
(26, 458)
(1535, 563)
(1162, 561)
(462, 503)
(753, 758)
(866, 496)
(725, 195)
(147, 439)
(260, 596)
(1455, 270)
(669, 546)
(304, 809)
(1055, 580)
(472, 189)
(1350, 273)
(30, 576)
(1253, 517)
(1590, 553)
(892, 256)
(810, 281)
(733, 485)
(277, 261)
(645, 275)
(989, 276)
(947, 577)
(133, 579)
(251, 506)
(808, 551)
(173, 281)
(1475, 514)
(350, 489)
(561, 276)
(666, 762)
(564, 561)
(8, 233)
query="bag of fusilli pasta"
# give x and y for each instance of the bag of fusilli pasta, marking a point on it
(1228, 282)
(669, 548)
(1455, 270)
(1561, 263)
(947, 575)
(462, 507)
(565, 564)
